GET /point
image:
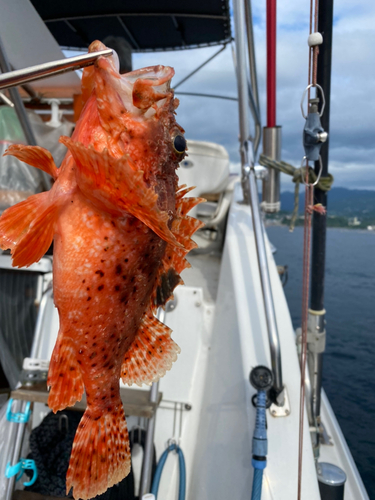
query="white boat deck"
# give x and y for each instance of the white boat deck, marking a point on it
(219, 324)
(222, 336)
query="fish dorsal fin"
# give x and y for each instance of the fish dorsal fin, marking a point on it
(174, 259)
(113, 185)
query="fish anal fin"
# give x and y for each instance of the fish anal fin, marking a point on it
(35, 156)
(115, 186)
(28, 228)
(151, 353)
(64, 376)
(100, 455)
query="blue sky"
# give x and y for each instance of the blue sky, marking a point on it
(352, 147)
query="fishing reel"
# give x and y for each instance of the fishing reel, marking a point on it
(261, 378)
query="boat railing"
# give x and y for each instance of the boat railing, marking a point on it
(253, 87)
(249, 185)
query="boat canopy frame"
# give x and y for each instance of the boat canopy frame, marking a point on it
(146, 26)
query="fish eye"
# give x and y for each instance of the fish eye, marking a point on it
(179, 144)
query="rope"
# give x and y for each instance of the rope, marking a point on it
(298, 175)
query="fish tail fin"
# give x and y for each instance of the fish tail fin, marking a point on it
(151, 353)
(100, 455)
(27, 229)
(64, 376)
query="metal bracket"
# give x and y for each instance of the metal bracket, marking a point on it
(316, 333)
(35, 364)
(34, 371)
(30, 377)
(261, 172)
(281, 411)
(316, 340)
(313, 132)
(324, 437)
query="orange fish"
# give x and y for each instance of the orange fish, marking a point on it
(121, 233)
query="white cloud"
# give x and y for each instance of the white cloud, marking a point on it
(352, 137)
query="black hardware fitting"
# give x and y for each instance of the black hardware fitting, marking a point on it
(261, 378)
(313, 132)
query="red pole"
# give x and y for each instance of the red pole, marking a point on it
(271, 63)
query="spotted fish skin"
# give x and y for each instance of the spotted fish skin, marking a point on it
(121, 233)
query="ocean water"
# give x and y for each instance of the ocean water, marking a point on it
(349, 360)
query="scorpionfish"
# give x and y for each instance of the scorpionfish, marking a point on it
(121, 233)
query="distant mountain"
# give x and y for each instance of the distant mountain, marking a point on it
(341, 201)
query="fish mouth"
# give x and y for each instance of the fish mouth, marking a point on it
(150, 87)
(139, 90)
(156, 76)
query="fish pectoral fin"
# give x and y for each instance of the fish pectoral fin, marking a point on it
(114, 185)
(101, 453)
(64, 376)
(151, 353)
(35, 156)
(27, 229)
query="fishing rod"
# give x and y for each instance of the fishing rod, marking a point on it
(318, 256)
